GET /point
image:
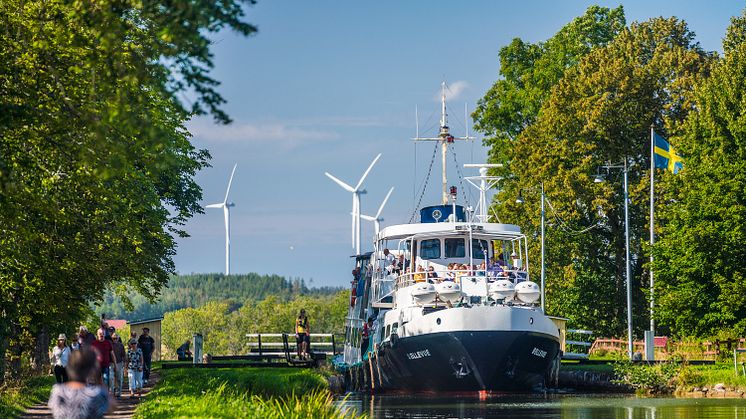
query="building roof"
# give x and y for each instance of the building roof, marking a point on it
(154, 319)
(116, 323)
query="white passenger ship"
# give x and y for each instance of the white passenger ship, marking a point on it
(478, 327)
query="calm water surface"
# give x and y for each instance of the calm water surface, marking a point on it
(540, 406)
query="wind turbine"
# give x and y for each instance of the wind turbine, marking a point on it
(225, 205)
(377, 219)
(356, 192)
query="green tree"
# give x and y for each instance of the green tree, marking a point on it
(700, 258)
(600, 111)
(96, 167)
(530, 71)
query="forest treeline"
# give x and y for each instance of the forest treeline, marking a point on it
(196, 290)
(224, 327)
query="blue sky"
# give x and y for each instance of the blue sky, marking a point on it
(325, 86)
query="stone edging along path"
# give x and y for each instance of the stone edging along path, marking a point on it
(124, 408)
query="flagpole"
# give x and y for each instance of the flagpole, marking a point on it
(652, 224)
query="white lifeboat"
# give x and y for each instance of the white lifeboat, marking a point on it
(423, 293)
(448, 291)
(502, 289)
(528, 292)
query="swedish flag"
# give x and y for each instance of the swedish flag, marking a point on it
(666, 156)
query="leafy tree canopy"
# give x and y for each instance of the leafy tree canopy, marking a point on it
(700, 258)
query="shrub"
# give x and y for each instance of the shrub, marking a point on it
(648, 379)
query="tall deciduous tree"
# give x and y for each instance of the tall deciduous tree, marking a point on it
(600, 111)
(700, 257)
(96, 167)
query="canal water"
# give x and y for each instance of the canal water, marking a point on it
(540, 406)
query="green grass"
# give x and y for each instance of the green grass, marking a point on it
(16, 396)
(240, 393)
(709, 375)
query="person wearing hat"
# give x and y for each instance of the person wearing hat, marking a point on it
(60, 356)
(135, 362)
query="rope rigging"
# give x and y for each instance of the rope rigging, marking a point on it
(427, 179)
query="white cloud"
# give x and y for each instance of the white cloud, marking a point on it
(453, 90)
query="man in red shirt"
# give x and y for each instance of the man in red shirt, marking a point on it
(105, 354)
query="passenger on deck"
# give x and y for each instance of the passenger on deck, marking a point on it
(388, 257)
(420, 275)
(431, 274)
(366, 336)
(460, 270)
(482, 271)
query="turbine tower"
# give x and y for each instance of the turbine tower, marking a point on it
(356, 192)
(377, 219)
(225, 205)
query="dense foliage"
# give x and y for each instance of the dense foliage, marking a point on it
(196, 290)
(701, 258)
(224, 328)
(598, 111)
(96, 167)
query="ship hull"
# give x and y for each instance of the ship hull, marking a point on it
(466, 361)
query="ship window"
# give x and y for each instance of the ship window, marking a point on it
(455, 248)
(388, 330)
(430, 249)
(395, 328)
(478, 248)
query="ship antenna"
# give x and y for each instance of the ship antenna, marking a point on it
(444, 137)
(485, 183)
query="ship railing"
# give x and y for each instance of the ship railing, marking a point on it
(411, 278)
(383, 289)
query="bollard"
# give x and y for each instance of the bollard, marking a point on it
(197, 343)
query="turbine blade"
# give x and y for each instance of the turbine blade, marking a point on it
(367, 217)
(362, 179)
(229, 183)
(220, 205)
(344, 186)
(383, 204)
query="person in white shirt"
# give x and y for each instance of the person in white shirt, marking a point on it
(60, 356)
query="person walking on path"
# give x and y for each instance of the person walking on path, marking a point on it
(60, 358)
(85, 338)
(302, 334)
(120, 355)
(74, 399)
(134, 368)
(105, 357)
(147, 345)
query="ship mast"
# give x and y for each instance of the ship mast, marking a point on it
(445, 138)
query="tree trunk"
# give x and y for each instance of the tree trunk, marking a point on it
(16, 349)
(40, 355)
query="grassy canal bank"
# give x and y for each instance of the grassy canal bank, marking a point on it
(16, 396)
(680, 379)
(241, 393)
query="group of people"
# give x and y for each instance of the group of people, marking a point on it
(90, 369)
(495, 269)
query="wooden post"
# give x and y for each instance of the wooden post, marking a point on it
(260, 344)
(334, 346)
(372, 375)
(378, 367)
